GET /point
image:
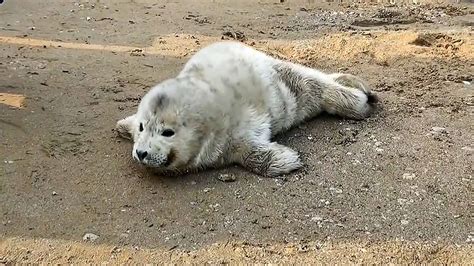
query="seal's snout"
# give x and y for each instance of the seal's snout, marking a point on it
(141, 154)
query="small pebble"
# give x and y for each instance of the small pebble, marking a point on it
(115, 250)
(470, 239)
(438, 130)
(90, 237)
(226, 178)
(335, 190)
(402, 201)
(408, 176)
(54, 193)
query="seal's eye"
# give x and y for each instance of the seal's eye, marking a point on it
(141, 127)
(167, 133)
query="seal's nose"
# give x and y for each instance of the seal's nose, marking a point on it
(141, 154)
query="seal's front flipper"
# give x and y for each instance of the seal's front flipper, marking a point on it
(271, 160)
(127, 127)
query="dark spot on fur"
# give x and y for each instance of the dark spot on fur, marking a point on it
(171, 157)
(253, 80)
(229, 85)
(225, 81)
(160, 102)
(296, 82)
(235, 70)
(237, 95)
(196, 68)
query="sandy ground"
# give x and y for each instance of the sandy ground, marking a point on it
(396, 187)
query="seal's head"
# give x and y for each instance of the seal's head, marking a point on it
(166, 135)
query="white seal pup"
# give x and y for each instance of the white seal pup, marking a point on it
(228, 102)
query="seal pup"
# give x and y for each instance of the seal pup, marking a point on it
(228, 102)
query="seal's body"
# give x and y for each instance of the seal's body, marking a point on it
(228, 102)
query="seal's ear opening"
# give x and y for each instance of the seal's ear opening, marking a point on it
(124, 127)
